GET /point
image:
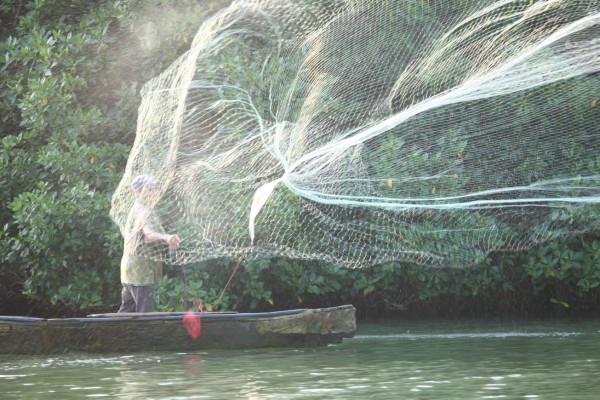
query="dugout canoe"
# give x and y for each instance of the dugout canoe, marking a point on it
(134, 332)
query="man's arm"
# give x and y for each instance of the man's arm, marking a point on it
(153, 236)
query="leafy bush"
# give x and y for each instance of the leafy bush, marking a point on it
(71, 72)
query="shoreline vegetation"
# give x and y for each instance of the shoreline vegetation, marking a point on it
(489, 307)
(520, 302)
(70, 80)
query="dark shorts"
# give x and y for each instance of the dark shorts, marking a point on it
(137, 298)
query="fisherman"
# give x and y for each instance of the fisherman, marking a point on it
(138, 271)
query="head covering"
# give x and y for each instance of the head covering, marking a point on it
(143, 181)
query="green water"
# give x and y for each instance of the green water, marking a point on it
(401, 360)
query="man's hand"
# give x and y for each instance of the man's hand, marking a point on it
(173, 242)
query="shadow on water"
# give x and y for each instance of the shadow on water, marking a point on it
(391, 360)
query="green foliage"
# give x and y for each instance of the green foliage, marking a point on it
(206, 282)
(571, 264)
(54, 235)
(70, 74)
(556, 271)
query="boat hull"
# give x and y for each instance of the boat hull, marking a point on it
(106, 333)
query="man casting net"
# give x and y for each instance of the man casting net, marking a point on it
(365, 131)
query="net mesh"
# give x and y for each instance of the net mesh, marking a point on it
(363, 131)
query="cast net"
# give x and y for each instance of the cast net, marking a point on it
(366, 131)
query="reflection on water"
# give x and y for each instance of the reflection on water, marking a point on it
(409, 359)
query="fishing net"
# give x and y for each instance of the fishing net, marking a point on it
(364, 131)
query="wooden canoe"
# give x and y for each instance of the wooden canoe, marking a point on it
(104, 333)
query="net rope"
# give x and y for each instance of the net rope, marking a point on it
(365, 131)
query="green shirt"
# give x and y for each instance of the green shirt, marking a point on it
(136, 266)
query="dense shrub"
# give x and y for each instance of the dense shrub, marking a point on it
(70, 75)
(71, 72)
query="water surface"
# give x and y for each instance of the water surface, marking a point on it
(394, 360)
